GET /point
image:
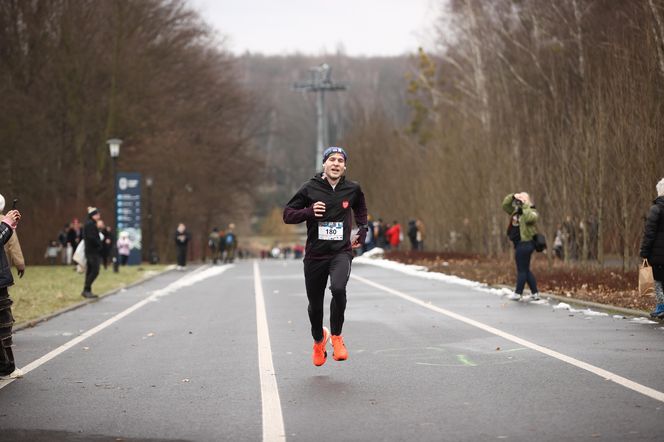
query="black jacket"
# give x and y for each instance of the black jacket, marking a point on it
(346, 196)
(93, 244)
(652, 244)
(182, 239)
(6, 278)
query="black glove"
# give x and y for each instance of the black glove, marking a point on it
(519, 210)
(362, 235)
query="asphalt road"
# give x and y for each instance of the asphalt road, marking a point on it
(177, 358)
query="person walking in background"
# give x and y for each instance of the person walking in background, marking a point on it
(93, 247)
(52, 252)
(8, 368)
(420, 234)
(106, 243)
(379, 234)
(559, 244)
(13, 247)
(73, 238)
(325, 202)
(62, 239)
(412, 234)
(522, 228)
(213, 245)
(124, 248)
(652, 247)
(393, 235)
(230, 244)
(182, 238)
(370, 241)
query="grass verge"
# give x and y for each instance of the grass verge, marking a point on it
(47, 289)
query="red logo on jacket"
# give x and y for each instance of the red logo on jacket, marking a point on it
(345, 204)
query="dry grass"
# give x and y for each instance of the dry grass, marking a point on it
(46, 289)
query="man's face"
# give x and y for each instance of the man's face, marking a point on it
(334, 166)
(96, 217)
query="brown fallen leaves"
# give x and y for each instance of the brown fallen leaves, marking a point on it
(589, 283)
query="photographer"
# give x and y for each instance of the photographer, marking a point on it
(8, 368)
(522, 228)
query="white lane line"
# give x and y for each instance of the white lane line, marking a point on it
(273, 420)
(188, 279)
(609, 376)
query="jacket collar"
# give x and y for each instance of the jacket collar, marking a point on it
(319, 178)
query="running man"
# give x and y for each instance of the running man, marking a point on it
(325, 203)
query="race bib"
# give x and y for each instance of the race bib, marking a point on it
(331, 231)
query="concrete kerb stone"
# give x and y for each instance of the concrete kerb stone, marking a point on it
(608, 308)
(33, 322)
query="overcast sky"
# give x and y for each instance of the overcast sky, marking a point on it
(360, 27)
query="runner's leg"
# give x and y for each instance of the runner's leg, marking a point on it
(339, 274)
(315, 279)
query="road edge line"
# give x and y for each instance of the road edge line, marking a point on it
(609, 376)
(96, 329)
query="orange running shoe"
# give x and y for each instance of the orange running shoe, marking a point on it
(320, 354)
(340, 353)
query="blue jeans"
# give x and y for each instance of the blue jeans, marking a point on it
(522, 254)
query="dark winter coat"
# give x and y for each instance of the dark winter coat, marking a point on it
(6, 278)
(339, 201)
(93, 243)
(652, 243)
(182, 239)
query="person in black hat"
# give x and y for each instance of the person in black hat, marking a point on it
(93, 250)
(328, 203)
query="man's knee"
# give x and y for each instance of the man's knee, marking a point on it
(338, 290)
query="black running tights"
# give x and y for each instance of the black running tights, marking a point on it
(315, 278)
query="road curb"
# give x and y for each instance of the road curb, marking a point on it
(33, 322)
(580, 302)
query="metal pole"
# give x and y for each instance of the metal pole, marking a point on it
(116, 264)
(320, 139)
(320, 82)
(151, 246)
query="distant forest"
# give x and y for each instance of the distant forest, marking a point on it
(561, 99)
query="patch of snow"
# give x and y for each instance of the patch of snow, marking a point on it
(376, 252)
(618, 317)
(188, 280)
(589, 312)
(642, 321)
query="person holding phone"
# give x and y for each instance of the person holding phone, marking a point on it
(13, 246)
(8, 368)
(327, 202)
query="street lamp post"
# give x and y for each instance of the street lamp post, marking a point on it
(114, 149)
(149, 182)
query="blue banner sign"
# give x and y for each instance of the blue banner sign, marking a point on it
(128, 213)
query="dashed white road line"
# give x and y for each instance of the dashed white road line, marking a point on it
(273, 420)
(639, 388)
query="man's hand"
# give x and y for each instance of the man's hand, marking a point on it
(319, 209)
(21, 271)
(11, 218)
